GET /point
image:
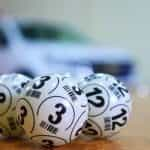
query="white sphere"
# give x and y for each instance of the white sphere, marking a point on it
(109, 105)
(53, 110)
(11, 87)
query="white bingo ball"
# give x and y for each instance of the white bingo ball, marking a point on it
(11, 87)
(109, 105)
(53, 110)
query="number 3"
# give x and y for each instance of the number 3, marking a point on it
(43, 79)
(58, 113)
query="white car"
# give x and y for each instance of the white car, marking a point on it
(34, 48)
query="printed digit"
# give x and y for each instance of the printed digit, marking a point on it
(58, 113)
(78, 91)
(2, 97)
(23, 84)
(47, 143)
(41, 83)
(121, 89)
(100, 99)
(23, 114)
(89, 130)
(78, 132)
(117, 123)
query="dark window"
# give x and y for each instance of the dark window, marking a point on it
(39, 31)
(117, 70)
(3, 39)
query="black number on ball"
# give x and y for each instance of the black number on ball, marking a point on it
(78, 132)
(47, 143)
(77, 90)
(116, 123)
(41, 83)
(100, 102)
(58, 114)
(23, 114)
(2, 97)
(122, 89)
(89, 130)
(23, 84)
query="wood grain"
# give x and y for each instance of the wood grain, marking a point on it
(135, 137)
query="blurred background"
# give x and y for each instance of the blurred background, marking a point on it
(76, 36)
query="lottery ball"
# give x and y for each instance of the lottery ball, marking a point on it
(109, 105)
(53, 110)
(11, 87)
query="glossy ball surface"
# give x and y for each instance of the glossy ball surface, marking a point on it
(109, 105)
(11, 88)
(53, 110)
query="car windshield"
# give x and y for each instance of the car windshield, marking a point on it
(45, 32)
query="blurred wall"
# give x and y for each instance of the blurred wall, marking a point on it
(118, 23)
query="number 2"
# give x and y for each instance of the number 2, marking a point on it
(123, 90)
(78, 91)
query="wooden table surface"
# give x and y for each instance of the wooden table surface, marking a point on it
(135, 137)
